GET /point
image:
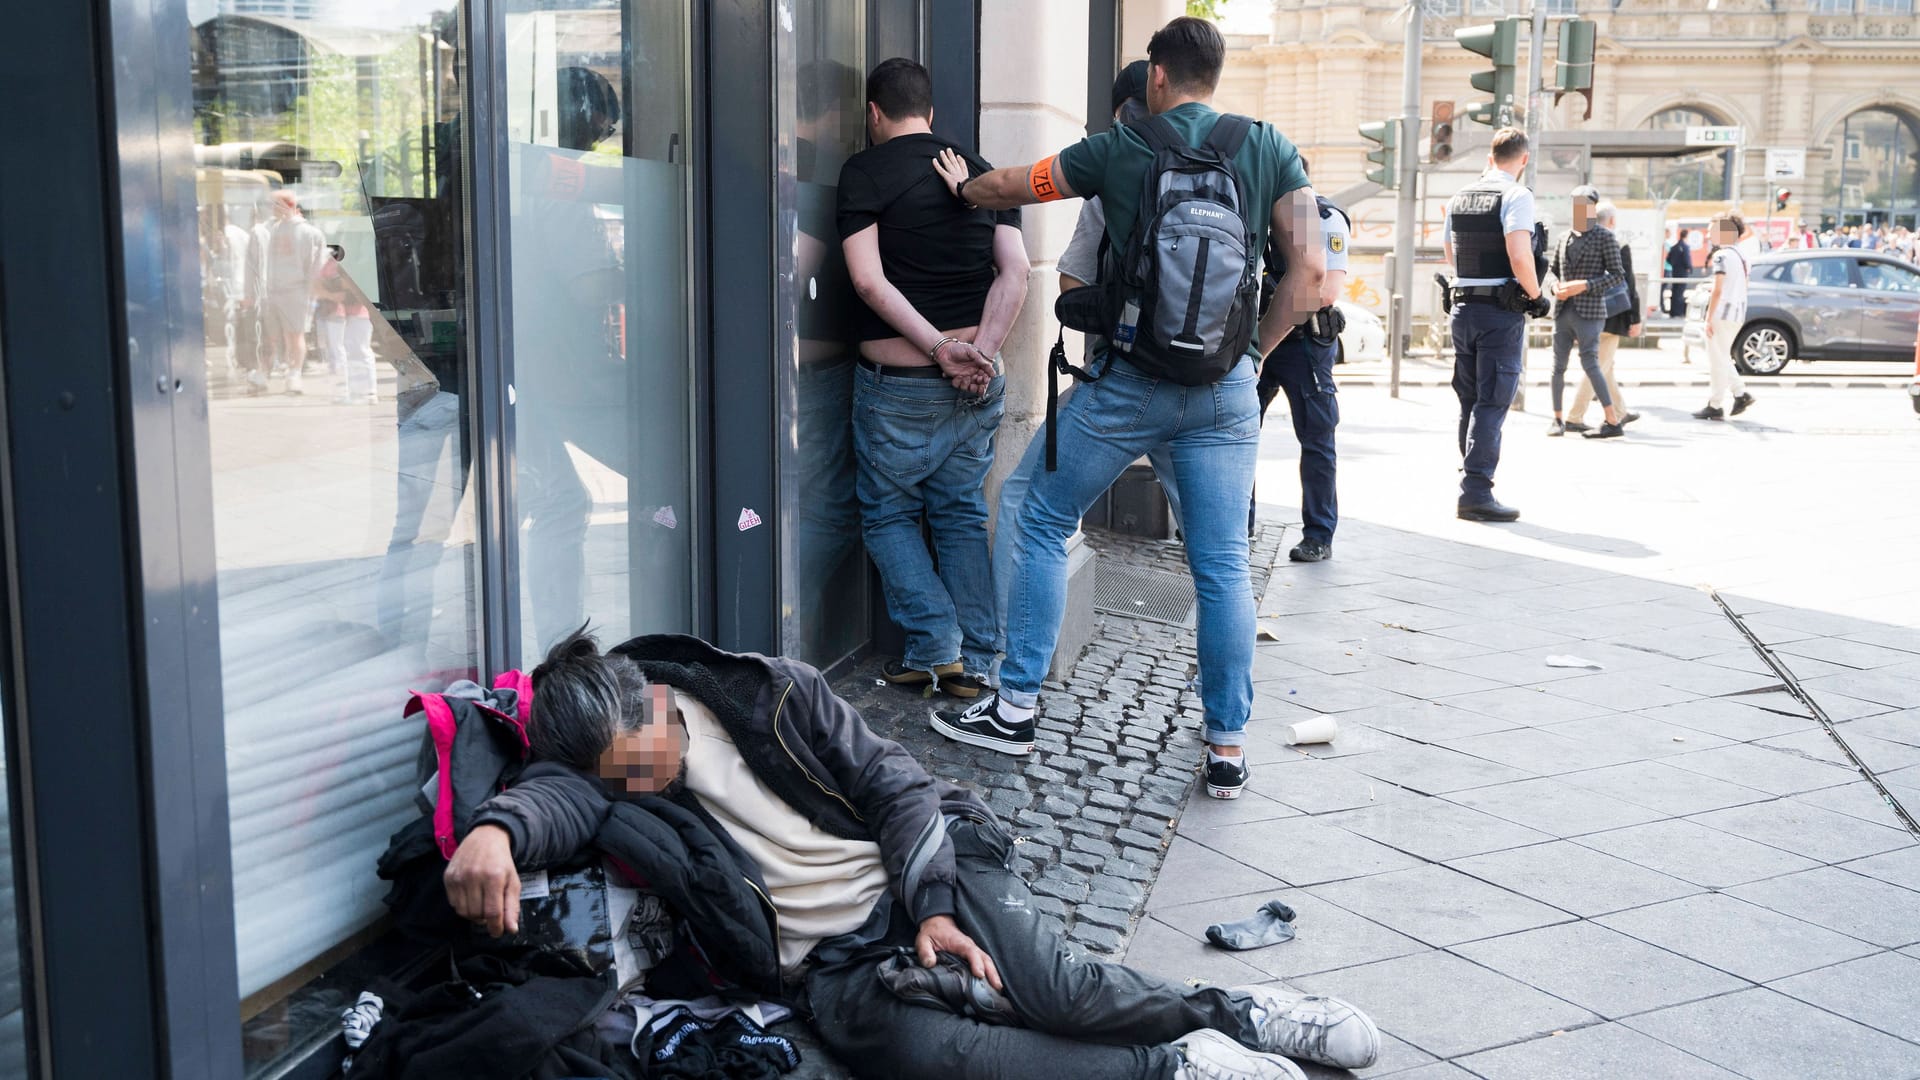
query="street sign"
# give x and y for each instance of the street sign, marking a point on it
(1714, 136)
(1787, 164)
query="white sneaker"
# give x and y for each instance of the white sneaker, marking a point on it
(1208, 1055)
(1313, 1028)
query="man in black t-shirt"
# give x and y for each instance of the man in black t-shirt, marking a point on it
(941, 286)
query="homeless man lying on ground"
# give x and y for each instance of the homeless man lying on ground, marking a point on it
(825, 869)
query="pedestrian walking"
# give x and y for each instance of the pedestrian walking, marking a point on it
(1726, 313)
(1493, 244)
(1588, 280)
(1679, 266)
(1190, 196)
(1625, 324)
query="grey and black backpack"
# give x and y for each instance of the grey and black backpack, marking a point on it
(1182, 295)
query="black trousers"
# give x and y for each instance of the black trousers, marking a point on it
(1302, 367)
(1085, 1018)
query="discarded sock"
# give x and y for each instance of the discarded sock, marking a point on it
(1271, 925)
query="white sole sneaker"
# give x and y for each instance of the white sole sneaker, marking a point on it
(1209, 1055)
(973, 738)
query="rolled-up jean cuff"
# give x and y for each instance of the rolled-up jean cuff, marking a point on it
(1019, 700)
(1220, 737)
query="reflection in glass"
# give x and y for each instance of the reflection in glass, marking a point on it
(825, 578)
(13, 1026)
(598, 179)
(1873, 170)
(1701, 176)
(329, 153)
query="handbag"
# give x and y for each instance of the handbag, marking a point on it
(1617, 300)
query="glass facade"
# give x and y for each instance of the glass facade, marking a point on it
(1872, 174)
(1706, 176)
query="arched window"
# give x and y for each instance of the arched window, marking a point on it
(1702, 176)
(1872, 173)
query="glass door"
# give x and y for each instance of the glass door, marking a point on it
(598, 177)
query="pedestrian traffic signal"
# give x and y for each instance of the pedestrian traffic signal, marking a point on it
(1383, 133)
(1499, 42)
(1440, 150)
(1780, 199)
(1573, 68)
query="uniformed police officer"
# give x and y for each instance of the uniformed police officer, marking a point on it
(1302, 366)
(1490, 241)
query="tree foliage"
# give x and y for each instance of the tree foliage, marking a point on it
(1206, 9)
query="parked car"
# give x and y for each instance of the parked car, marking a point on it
(1365, 336)
(1839, 304)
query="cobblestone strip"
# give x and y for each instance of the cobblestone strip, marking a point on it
(1118, 745)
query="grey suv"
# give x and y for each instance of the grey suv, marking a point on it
(1829, 304)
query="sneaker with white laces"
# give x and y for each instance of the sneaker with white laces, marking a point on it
(1208, 1055)
(1324, 1030)
(980, 724)
(1226, 777)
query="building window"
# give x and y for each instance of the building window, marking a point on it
(1561, 7)
(1830, 7)
(1887, 7)
(1873, 169)
(1701, 176)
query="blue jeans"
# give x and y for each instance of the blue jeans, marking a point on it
(1212, 436)
(1570, 330)
(1303, 367)
(923, 450)
(1488, 345)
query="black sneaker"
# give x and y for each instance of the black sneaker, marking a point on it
(979, 724)
(1226, 776)
(1740, 404)
(1311, 550)
(1487, 511)
(1577, 426)
(1628, 418)
(1607, 431)
(1710, 413)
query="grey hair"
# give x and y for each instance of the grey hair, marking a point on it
(1605, 213)
(582, 700)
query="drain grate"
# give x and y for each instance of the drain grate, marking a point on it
(1143, 594)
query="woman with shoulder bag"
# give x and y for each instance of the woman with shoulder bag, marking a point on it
(1625, 324)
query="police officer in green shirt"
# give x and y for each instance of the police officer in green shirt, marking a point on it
(1208, 418)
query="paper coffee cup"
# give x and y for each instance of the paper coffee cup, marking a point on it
(1320, 729)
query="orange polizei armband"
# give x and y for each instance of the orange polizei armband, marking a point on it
(1040, 180)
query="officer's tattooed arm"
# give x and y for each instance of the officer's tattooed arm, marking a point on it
(1004, 189)
(1296, 228)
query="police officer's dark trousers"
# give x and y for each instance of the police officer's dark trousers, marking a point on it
(1085, 1018)
(1302, 366)
(1488, 347)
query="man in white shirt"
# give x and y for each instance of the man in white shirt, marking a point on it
(1726, 314)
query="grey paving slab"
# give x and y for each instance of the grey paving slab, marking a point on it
(1600, 970)
(1664, 788)
(1768, 1036)
(1305, 659)
(1881, 755)
(1423, 681)
(1193, 872)
(1783, 625)
(1774, 701)
(1879, 991)
(1554, 806)
(1636, 733)
(1434, 829)
(1436, 770)
(1408, 617)
(1776, 771)
(1901, 867)
(1321, 786)
(1693, 852)
(1422, 648)
(1542, 752)
(1432, 721)
(1819, 834)
(1904, 638)
(1853, 904)
(1159, 949)
(1326, 937)
(1742, 939)
(1575, 878)
(1689, 640)
(1502, 635)
(1841, 651)
(1900, 727)
(1841, 707)
(1317, 626)
(1203, 814)
(1398, 1059)
(1859, 799)
(1523, 668)
(1738, 720)
(1621, 691)
(1272, 662)
(1355, 739)
(1707, 681)
(1420, 999)
(1303, 851)
(1439, 905)
(1875, 686)
(1532, 708)
(1335, 694)
(1603, 1050)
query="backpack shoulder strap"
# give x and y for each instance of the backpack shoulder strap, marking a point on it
(1158, 133)
(1229, 134)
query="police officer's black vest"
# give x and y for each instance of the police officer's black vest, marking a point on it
(1479, 240)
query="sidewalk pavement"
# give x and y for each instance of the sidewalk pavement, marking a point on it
(1662, 365)
(1659, 867)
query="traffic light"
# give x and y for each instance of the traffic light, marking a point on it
(1499, 42)
(1780, 199)
(1440, 151)
(1573, 68)
(1385, 133)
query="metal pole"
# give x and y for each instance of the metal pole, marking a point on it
(1401, 281)
(1533, 89)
